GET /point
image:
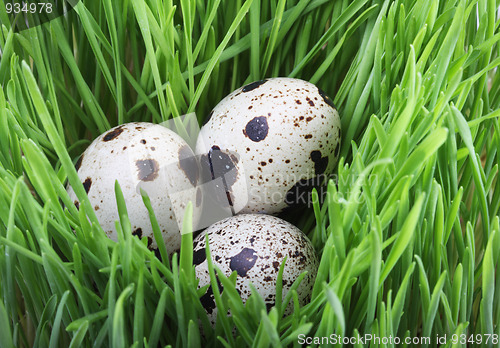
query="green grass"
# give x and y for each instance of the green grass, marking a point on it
(408, 232)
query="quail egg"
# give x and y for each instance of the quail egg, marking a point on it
(269, 141)
(254, 245)
(140, 155)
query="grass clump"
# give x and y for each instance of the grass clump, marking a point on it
(408, 231)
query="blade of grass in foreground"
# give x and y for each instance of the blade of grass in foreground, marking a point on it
(465, 133)
(6, 337)
(405, 235)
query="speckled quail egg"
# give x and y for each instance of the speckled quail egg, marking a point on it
(140, 155)
(254, 245)
(286, 133)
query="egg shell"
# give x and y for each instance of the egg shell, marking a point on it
(286, 133)
(255, 245)
(140, 155)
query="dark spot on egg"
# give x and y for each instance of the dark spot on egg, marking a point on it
(143, 141)
(150, 243)
(78, 163)
(207, 300)
(326, 98)
(87, 184)
(309, 119)
(253, 85)
(222, 165)
(276, 266)
(310, 102)
(148, 169)
(298, 101)
(269, 306)
(320, 163)
(188, 164)
(256, 129)
(308, 136)
(199, 256)
(218, 165)
(137, 232)
(157, 254)
(113, 134)
(243, 262)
